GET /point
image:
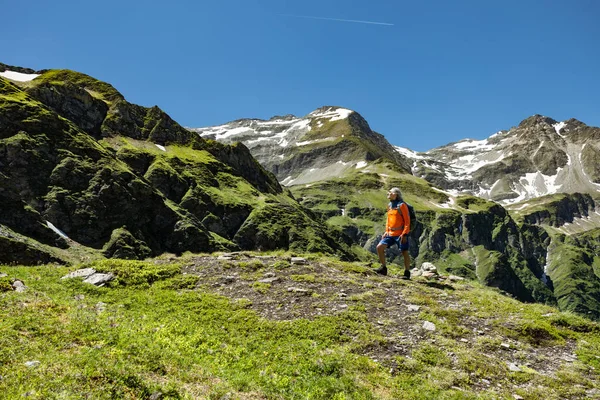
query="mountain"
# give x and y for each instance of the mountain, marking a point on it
(323, 144)
(84, 173)
(548, 191)
(539, 157)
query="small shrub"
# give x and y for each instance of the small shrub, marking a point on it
(261, 287)
(136, 273)
(431, 355)
(279, 265)
(254, 265)
(539, 332)
(303, 278)
(5, 285)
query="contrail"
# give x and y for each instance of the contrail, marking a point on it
(338, 19)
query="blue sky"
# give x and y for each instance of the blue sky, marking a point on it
(442, 71)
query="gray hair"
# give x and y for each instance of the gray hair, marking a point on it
(397, 191)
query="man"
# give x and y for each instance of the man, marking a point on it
(397, 228)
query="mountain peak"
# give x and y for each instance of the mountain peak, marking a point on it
(331, 112)
(536, 120)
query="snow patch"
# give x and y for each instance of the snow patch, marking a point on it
(18, 76)
(408, 153)
(287, 181)
(361, 164)
(474, 145)
(55, 229)
(160, 147)
(558, 127)
(534, 184)
(332, 114)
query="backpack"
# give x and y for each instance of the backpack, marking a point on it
(411, 214)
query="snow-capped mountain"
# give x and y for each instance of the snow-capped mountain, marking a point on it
(541, 156)
(320, 145)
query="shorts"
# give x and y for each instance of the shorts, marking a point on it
(395, 240)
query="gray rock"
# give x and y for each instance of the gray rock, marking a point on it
(505, 345)
(99, 279)
(513, 367)
(412, 307)
(299, 260)
(32, 364)
(80, 273)
(298, 290)
(19, 286)
(456, 278)
(429, 274)
(429, 326)
(3, 275)
(269, 280)
(427, 266)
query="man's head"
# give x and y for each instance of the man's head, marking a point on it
(394, 194)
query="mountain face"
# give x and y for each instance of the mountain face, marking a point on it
(539, 157)
(82, 167)
(323, 144)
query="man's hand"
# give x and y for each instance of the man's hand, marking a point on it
(403, 239)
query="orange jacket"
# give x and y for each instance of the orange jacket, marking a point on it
(398, 222)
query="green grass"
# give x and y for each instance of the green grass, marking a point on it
(156, 330)
(181, 343)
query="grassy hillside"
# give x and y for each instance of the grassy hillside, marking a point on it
(256, 326)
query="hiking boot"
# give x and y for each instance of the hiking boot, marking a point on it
(406, 274)
(382, 270)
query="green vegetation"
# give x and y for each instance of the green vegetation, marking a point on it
(576, 286)
(154, 330)
(456, 264)
(474, 203)
(62, 77)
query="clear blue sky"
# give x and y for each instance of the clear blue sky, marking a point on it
(444, 71)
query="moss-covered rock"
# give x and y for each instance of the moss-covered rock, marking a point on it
(124, 245)
(285, 226)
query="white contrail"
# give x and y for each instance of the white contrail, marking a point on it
(340, 20)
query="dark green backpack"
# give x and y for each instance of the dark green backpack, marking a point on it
(411, 214)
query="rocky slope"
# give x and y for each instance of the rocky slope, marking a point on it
(541, 156)
(323, 144)
(82, 165)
